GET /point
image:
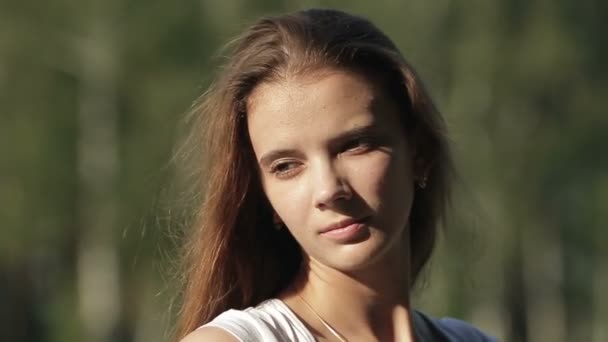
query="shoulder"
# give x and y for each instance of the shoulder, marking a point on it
(455, 330)
(269, 321)
(208, 334)
(463, 330)
(241, 325)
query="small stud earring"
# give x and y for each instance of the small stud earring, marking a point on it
(422, 182)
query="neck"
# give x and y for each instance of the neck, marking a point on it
(372, 302)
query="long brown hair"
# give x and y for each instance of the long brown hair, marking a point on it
(233, 257)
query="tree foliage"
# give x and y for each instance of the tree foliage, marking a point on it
(93, 94)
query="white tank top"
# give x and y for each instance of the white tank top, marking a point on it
(273, 321)
(270, 321)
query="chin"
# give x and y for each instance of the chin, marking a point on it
(358, 256)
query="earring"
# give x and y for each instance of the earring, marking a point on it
(422, 182)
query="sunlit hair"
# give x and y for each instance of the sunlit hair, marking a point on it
(234, 257)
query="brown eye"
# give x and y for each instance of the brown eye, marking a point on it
(358, 145)
(284, 169)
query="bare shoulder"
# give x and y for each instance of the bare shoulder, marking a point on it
(208, 334)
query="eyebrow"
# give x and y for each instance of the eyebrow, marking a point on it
(355, 132)
(267, 158)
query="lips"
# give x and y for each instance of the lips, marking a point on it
(343, 224)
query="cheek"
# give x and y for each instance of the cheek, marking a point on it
(382, 177)
(399, 176)
(370, 181)
(398, 191)
(386, 185)
(289, 201)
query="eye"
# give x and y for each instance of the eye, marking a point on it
(284, 168)
(358, 145)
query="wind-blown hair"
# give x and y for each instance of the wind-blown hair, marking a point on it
(234, 258)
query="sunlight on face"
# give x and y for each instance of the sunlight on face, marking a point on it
(335, 165)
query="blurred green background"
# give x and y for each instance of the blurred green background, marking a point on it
(92, 94)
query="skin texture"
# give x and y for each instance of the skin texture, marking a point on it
(325, 175)
(331, 147)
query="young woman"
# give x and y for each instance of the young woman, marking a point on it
(328, 173)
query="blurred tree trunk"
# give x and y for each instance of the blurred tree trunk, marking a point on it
(98, 259)
(542, 267)
(600, 314)
(18, 314)
(515, 296)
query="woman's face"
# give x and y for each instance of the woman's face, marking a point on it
(334, 164)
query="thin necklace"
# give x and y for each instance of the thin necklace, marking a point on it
(329, 327)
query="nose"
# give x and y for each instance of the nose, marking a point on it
(330, 186)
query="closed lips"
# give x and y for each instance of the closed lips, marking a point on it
(342, 224)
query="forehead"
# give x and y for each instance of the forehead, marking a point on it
(299, 100)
